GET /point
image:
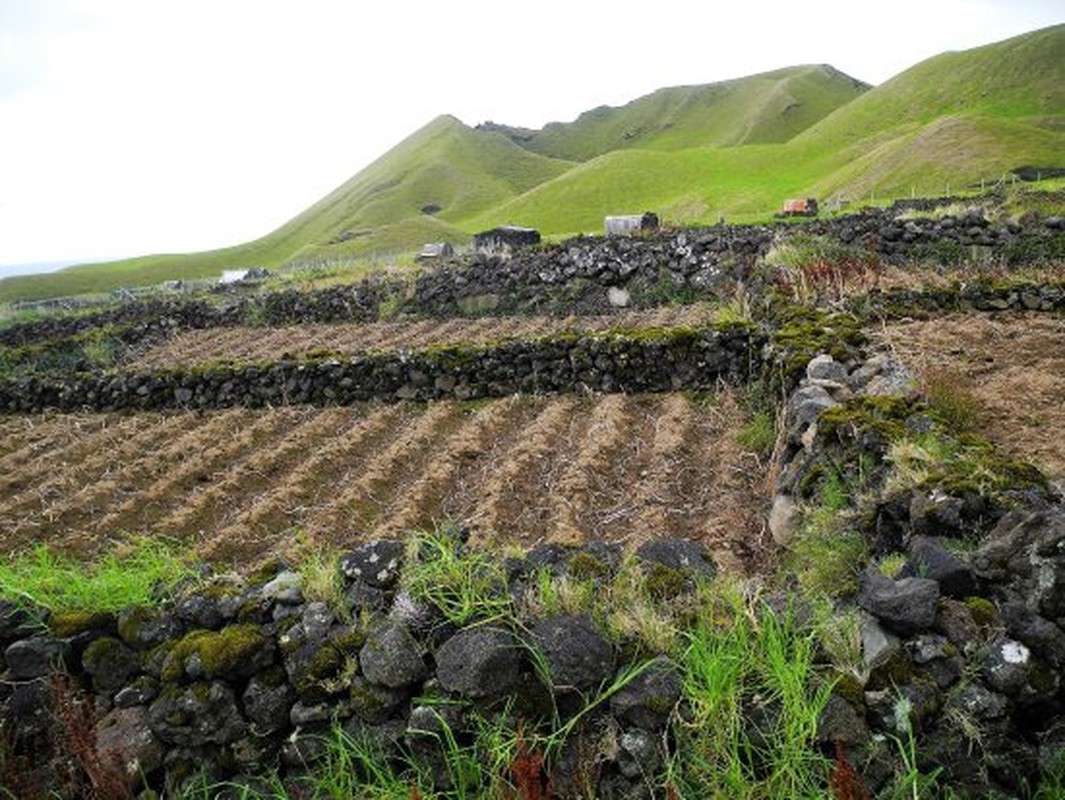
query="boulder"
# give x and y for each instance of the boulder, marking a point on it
(907, 605)
(678, 554)
(199, 714)
(481, 662)
(267, 701)
(1026, 552)
(577, 654)
(376, 564)
(110, 663)
(125, 738)
(805, 406)
(34, 658)
(929, 559)
(392, 657)
(648, 700)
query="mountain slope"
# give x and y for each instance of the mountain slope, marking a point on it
(944, 124)
(443, 172)
(693, 154)
(770, 107)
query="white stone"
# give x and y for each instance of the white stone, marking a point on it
(618, 297)
(1015, 652)
(783, 519)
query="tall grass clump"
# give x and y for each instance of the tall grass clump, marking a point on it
(809, 268)
(465, 584)
(754, 703)
(131, 575)
(829, 550)
(950, 395)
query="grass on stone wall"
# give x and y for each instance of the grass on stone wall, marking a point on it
(734, 653)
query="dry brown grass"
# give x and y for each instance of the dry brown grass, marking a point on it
(237, 484)
(1013, 364)
(261, 344)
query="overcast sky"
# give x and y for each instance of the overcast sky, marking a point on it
(139, 126)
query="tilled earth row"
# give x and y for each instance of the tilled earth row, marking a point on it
(1011, 364)
(267, 344)
(239, 484)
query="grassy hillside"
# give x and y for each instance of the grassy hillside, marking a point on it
(693, 154)
(946, 123)
(770, 107)
(388, 207)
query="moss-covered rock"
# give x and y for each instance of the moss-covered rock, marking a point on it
(110, 662)
(65, 624)
(235, 651)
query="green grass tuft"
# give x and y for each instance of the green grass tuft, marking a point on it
(132, 575)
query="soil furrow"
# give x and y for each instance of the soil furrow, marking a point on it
(514, 503)
(422, 506)
(237, 344)
(152, 476)
(356, 509)
(580, 491)
(78, 472)
(58, 440)
(657, 484)
(187, 501)
(308, 490)
(732, 522)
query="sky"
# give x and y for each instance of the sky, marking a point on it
(130, 127)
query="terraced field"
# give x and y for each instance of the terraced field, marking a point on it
(238, 484)
(1011, 364)
(260, 344)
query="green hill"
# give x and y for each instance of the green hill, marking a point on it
(412, 194)
(692, 153)
(945, 124)
(770, 107)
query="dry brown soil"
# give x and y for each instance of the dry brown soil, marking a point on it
(261, 344)
(238, 484)
(1012, 363)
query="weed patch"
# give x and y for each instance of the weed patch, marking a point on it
(131, 575)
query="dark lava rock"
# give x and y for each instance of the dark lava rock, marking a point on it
(392, 657)
(34, 658)
(198, 714)
(268, 700)
(376, 564)
(678, 554)
(929, 559)
(110, 663)
(125, 735)
(907, 605)
(577, 654)
(479, 662)
(647, 700)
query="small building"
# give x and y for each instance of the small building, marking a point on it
(628, 224)
(505, 239)
(243, 275)
(232, 275)
(434, 250)
(806, 207)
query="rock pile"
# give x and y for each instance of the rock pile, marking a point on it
(238, 679)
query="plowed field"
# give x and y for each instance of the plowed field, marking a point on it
(261, 344)
(239, 484)
(1013, 364)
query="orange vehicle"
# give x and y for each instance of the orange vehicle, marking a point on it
(800, 208)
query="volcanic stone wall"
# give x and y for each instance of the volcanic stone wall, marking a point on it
(575, 276)
(641, 361)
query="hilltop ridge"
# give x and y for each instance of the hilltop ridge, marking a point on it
(694, 154)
